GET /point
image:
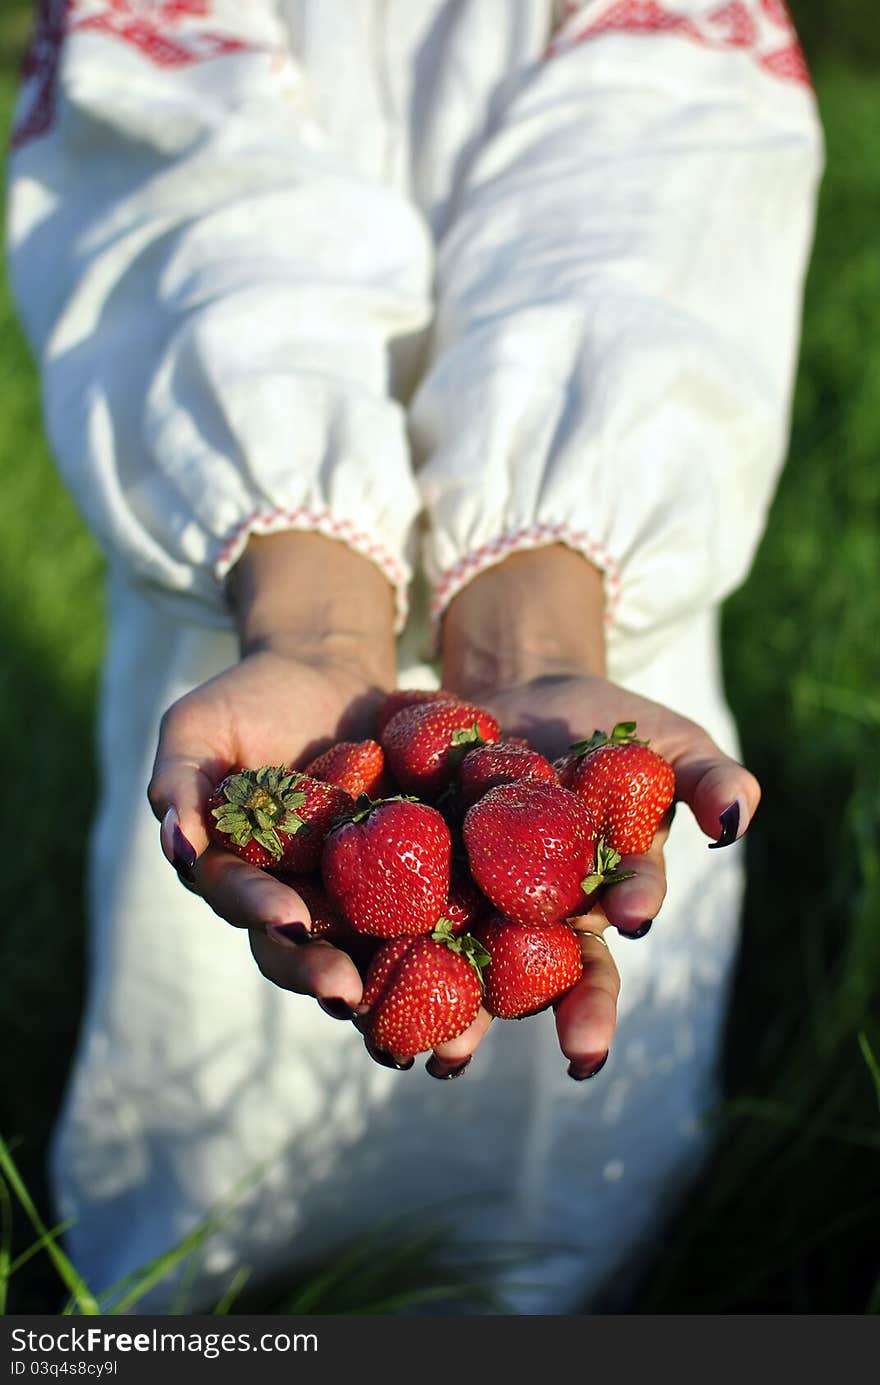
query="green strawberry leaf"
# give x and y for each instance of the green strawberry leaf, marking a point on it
(463, 944)
(463, 741)
(605, 872)
(624, 733)
(267, 839)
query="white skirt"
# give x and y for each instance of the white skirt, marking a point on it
(193, 1072)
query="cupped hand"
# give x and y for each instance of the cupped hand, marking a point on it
(551, 711)
(269, 709)
(316, 623)
(525, 639)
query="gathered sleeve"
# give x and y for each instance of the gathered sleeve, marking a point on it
(211, 291)
(619, 301)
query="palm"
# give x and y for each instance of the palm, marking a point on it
(553, 711)
(273, 710)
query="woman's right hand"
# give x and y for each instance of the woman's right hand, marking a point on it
(313, 670)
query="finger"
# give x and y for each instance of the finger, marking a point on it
(449, 1060)
(721, 793)
(185, 771)
(246, 896)
(587, 1014)
(314, 968)
(633, 904)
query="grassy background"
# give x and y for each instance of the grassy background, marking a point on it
(787, 1218)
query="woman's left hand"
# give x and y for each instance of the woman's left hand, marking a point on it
(550, 688)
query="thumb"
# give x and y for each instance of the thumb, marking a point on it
(721, 793)
(185, 771)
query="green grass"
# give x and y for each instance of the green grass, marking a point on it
(788, 1215)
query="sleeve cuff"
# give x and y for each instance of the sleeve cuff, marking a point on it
(303, 518)
(522, 540)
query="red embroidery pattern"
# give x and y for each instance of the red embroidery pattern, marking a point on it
(777, 12)
(746, 24)
(147, 24)
(736, 19)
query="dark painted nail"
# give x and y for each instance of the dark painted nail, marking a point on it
(435, 1067)
(639, 932)
(337, 1009)
(729, 820)
(387, 1060)
(581, 1071)
(293, 932)
(184, 854)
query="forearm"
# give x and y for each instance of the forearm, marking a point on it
(536, 614)
(315, 599)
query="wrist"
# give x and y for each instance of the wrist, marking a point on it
(310, 598)
(536, 614)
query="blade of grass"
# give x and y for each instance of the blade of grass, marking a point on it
(141, 1280)
(871, 1061)
(190, 1273)
(231, 1293)
(5, 1243)
(77, 1288)
(51, 1235)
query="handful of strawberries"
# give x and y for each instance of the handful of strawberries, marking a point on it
(446, 859)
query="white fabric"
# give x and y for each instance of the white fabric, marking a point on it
(231, 228)
(193, 1073)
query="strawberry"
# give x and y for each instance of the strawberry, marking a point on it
(274, 817)
(326, 920)
(423, 744)
(408, 697)
(626, 787)
(503, 762)
(387, 867)
(422, 992)
(529, 848)
(356, 766)
(528, 968)
(465, 905)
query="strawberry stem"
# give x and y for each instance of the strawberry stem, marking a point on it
(363, 806)
(463, 741)
(260, 803)
(604, 871)
(462, 943)
(623, 734)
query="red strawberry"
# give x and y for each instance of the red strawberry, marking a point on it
(530, 848)
(528, 968)
(326, 920)
(409, 697)
(422, 992)
(504, 762)
(387, 867)
(423, 744)
(626, 787)
(274, 817)
(356, 766)
(465, 905)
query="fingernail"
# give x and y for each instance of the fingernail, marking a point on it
(180, 852)
(581, 1071)
(445, 1072)
(639, 932)
(729, 820)
(290, 933)
(387, 1060)
(337, 1009)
